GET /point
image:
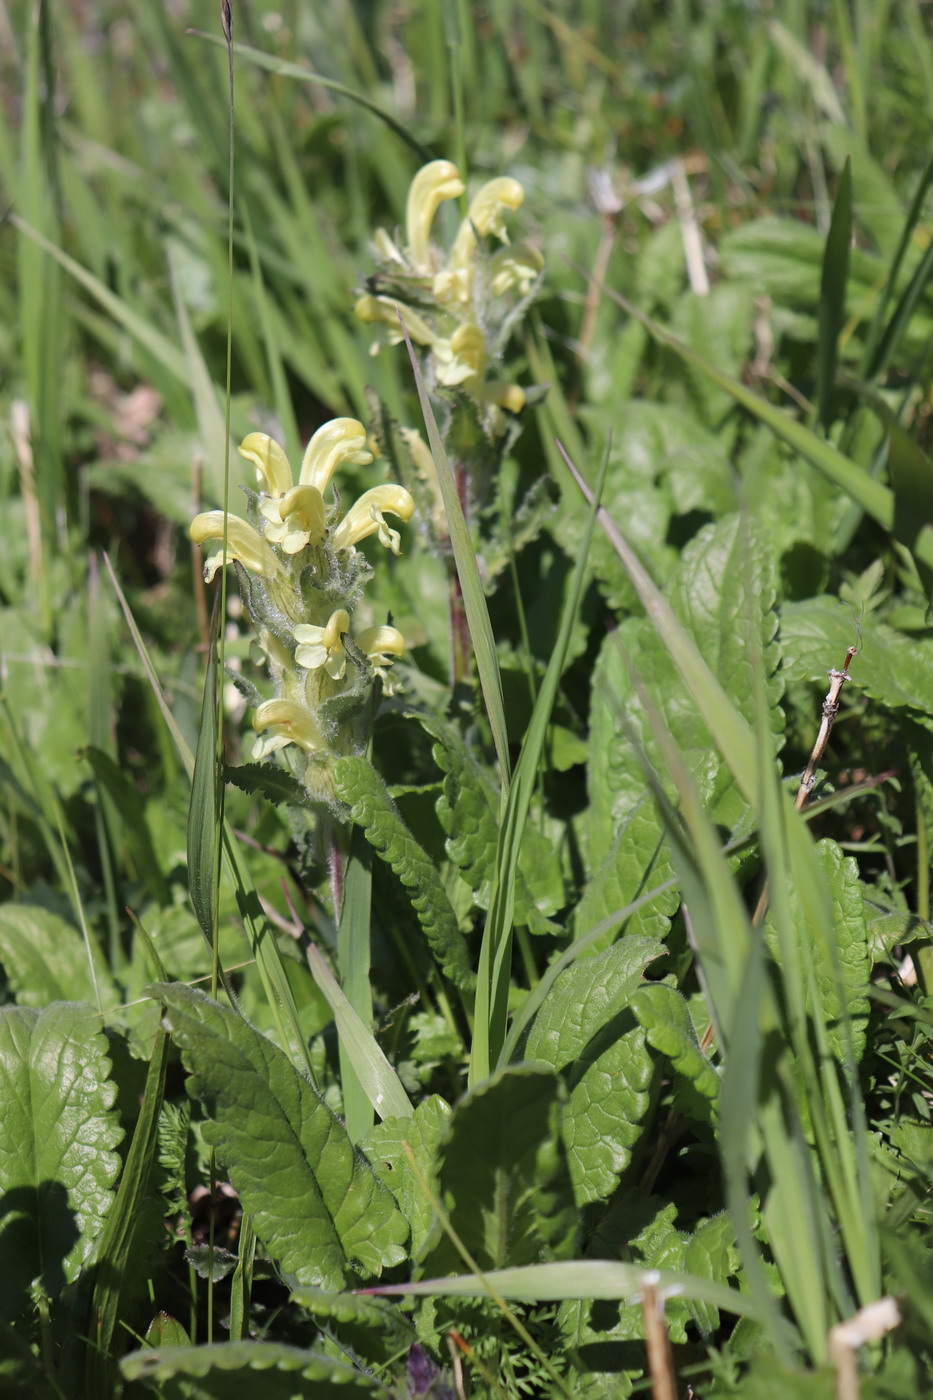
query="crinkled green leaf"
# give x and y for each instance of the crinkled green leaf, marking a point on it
(665, 1017)
(372, 808)
(501, 1173)
(46, 959)
(707, 594)
(586, 1030)
(636, 862)
(374, 1328)
(386, 1146)
(246, 1370)
(468, 812)
(273, 783)
(711, 1253)
(315, 1203)
(58, 1132)
(847, 959)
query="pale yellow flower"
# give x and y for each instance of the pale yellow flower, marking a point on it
(367, 516)
(435, 182)
(285, 722)
(381, 645)
(294, 514)
(323, 646)
(383, 313)
(244, 544)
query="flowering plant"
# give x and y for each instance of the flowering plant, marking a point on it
(302, 576)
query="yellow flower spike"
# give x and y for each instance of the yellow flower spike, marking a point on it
(381, 311)
(462, 357)
(295, 519)
(269, 460)
(514, 266)
(435, 182)
(289, 723)
(323, 646)
(341, 440)
(243, 543)
(366, 516)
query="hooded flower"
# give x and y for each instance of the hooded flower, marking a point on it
(367, 516)
(295, 514)
(244, 544)
(281, 722)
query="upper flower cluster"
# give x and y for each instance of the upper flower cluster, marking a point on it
(306, 579)
(453, 302)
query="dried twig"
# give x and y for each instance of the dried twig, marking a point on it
(837, 680)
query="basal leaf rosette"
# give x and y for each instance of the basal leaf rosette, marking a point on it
(301, 576)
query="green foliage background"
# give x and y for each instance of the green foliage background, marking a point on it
(619, 1009)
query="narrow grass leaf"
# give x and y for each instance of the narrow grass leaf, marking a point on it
(204, 813)
(353, 960)
(833, 280)
(495, 966)
(474, 597)
(158, 345)
(579, 1278)
(285, 69)
(380, 1082)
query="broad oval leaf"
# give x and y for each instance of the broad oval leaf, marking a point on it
(502, 1175)
(586, 1030)
(58, 1132)
(316, 1203)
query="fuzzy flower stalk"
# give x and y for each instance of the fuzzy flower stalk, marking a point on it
(301, 577)
(461, 303)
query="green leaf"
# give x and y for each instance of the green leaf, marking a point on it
(586, 1030)
(205, 808)
(502, 1176)
(317, 1206)
(387, 1147)
(374, 1328)
(665, 1018)
(891, 669)
(275, 784)
(372, 808)
(246, 1371)
(709, 594)
(833, 279)
(124, 1243)
(636, 861)
(45, 959)
(132, 823)
(467, 810)
(841, 966)
(58, 1132)
(577, 1278)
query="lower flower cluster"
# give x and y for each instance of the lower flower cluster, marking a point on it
(302, 576)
